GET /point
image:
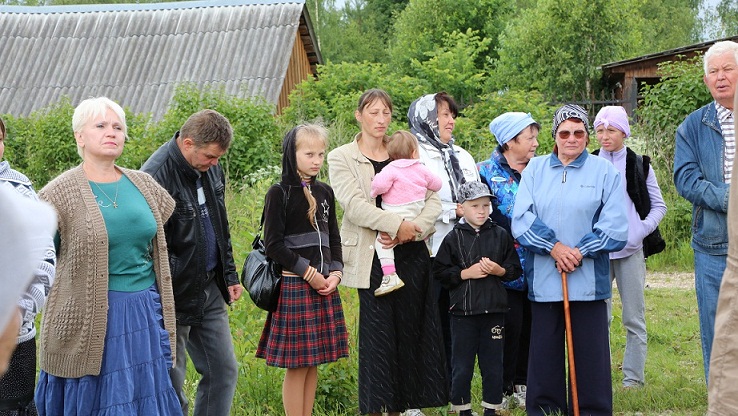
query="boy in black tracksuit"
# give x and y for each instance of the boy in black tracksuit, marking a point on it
(471, 263)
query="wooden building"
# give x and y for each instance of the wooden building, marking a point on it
(137, 54)
(625, 78)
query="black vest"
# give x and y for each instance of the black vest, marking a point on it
(636, 172)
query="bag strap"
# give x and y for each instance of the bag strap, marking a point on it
(285, 197)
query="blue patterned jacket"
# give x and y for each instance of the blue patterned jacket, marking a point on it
(503, 183)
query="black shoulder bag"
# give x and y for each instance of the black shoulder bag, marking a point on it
(261, 275)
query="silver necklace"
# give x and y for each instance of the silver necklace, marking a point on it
(113, 200)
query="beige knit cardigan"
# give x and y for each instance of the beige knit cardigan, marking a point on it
(75, 320)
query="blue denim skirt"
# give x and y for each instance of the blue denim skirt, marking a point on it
(134, 378)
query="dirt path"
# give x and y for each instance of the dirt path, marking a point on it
(670, 280)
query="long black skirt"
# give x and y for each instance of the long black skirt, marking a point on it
(17, 385)
(401, 355)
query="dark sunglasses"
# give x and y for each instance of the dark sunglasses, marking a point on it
(579, 134)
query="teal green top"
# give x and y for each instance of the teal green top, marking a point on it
(131, 228)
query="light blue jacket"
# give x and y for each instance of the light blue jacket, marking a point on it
(698, 176)
(581, 205)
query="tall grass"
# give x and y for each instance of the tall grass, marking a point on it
(674, 376)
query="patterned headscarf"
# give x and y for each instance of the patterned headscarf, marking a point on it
(566, 112)
(422, 116)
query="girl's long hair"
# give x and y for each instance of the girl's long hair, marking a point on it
(305, 133)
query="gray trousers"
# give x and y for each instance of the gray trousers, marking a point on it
(210, 348)
(629, 274)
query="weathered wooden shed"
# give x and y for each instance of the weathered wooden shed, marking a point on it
(137, 54)
(625, 78)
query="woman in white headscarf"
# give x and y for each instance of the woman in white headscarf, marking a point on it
(432, 119)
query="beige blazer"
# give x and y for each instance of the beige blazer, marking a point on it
(351, 175)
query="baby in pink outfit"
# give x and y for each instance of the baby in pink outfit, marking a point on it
(403, 185)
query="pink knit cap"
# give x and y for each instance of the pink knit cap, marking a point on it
(613, 115)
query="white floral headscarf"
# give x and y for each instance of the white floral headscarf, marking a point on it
(422, 116)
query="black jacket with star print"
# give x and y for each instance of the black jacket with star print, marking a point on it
(289, 236)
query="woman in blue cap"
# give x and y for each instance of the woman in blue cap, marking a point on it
(517, 141)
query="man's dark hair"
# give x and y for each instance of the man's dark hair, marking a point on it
(206, 127)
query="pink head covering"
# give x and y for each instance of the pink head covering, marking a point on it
(613, 115)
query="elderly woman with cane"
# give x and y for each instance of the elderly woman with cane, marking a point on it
(569, 213)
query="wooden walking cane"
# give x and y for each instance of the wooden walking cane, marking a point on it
(570, 346)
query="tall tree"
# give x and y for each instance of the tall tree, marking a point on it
(558, 46)
(728, 10)
(384, 12)
(721, 21)
(424, 25)
(349, 34)
(658, 25)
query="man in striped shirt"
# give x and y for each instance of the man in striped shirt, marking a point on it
(703, 162)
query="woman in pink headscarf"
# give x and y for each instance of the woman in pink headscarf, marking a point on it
(646, 208)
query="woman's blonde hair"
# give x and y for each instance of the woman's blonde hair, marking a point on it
(311, 133)
(95, 107)
(401, 145)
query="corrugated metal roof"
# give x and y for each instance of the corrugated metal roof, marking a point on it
(137, 54)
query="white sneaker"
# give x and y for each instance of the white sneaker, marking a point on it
(390, 283)
(454, 412)
(519, 395)
(408, 412)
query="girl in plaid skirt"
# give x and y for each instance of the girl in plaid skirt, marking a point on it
(301, 234)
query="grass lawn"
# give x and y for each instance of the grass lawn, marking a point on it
(674, 377)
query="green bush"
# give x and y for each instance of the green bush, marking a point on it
(472, 129)
(333, 97)
(666, 104)
(257, 138)
(42, 145)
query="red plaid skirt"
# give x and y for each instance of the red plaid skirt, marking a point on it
(307, 329)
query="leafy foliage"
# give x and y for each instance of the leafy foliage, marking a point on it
(256, 135)
(557, 46)
(720, 21)
(451, 67)
(473, 128)
(352, 34)
(660, 25)
(42, 145)
(666, 104)
(425, 24)
(334, 96)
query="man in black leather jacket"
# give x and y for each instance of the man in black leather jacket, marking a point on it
(204, 277)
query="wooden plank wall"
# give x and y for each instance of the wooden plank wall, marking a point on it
(297, 71)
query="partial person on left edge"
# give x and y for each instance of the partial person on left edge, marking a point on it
(17, 385)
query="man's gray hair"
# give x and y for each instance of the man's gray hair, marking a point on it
(719, 48)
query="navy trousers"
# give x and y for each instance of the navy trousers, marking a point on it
(479, 337)
(547, 370)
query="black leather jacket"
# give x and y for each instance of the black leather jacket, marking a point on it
(185, 239)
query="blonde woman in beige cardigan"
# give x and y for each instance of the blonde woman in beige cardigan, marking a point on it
(109, 324)
(401, 358)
